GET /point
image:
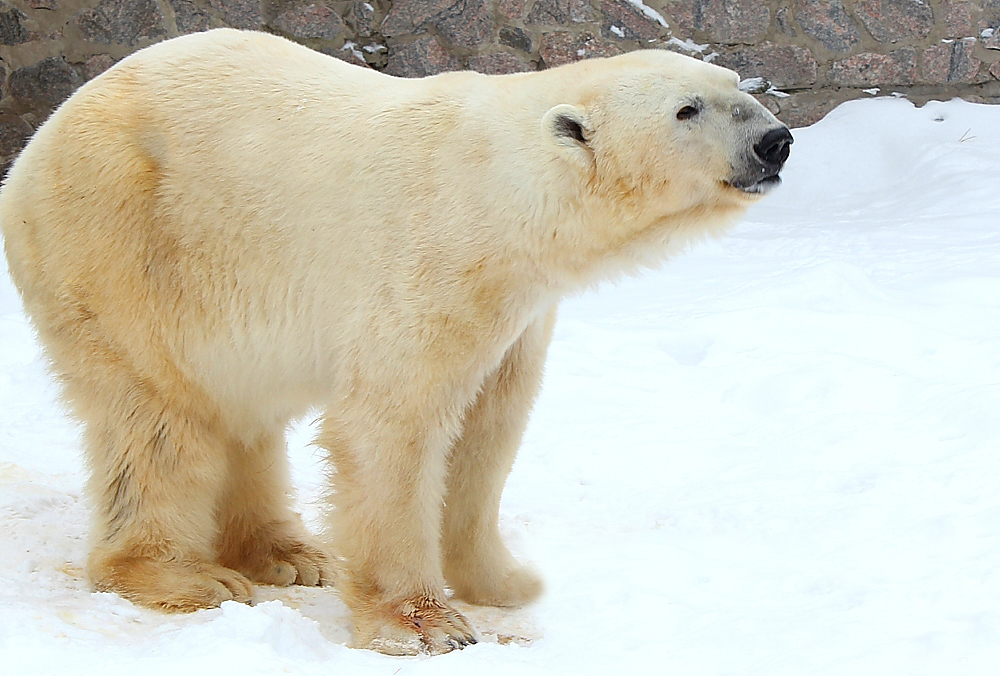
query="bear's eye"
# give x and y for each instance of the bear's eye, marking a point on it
(686, 113)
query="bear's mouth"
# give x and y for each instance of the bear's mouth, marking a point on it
(761, 187)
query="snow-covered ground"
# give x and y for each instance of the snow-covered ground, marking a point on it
(778, 455)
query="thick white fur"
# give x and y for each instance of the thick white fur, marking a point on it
(227, 228)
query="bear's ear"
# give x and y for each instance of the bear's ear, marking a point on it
(569, 127)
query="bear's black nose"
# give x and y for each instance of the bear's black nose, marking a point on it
(773, 147)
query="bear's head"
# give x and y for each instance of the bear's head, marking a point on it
(652, 137)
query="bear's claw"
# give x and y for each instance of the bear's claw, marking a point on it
(422, 625)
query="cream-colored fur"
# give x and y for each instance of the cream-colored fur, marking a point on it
(227, 228)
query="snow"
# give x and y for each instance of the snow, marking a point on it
(777, 455)
(754, 85)
(689, 45)
(649, 11)
(352, 47)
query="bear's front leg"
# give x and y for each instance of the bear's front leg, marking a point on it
(477, 564)
(389, 445)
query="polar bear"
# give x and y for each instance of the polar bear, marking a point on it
(226, 229)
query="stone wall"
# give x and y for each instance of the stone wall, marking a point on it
(813, 54)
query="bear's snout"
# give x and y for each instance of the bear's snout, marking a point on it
(772, 148)
(756, 172)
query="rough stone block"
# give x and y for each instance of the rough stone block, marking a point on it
(122, 22)
(12, 30)
(958, 19)
(726, 21)
(935, 62)
(43, 4)
(558, 48)
(947, 63)
(499, 63)
(310, 21)
(515, 38)
(631, 23)
(363, 18)
(462, 22)
(895, 20)
(45, 84)
(420, 58)
(783, 23)
(190, 17)
(560, 12)
(245, 14)
(786, 67)
(964, 67)
(469, 26)
(14, 133)
(870, 70)
(828, 22)
(96, 64)
(511, 9)
(407, 16)
(995, 70)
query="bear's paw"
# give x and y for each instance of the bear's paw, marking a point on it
(421, 625)
(171, 585)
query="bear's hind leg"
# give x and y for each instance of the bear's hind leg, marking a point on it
(156, 476)
(477, 564)
(261, 536)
